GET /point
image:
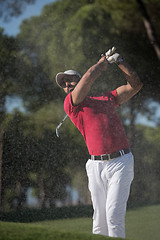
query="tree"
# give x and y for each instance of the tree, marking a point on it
(17, 161)
(151, 32)
(30, 160)
(7, 74)
(145, 187)
(19, 77)
(74, 34)
(1, 151)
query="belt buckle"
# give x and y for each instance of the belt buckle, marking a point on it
(102, 156)
(105, 157)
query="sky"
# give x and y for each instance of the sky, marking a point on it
(12, 29)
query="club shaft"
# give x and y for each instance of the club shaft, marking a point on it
(57, 133)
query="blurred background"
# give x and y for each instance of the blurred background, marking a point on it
(38, 39)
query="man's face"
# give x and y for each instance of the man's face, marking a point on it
(69, 83)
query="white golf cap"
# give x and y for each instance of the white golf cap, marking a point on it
(60, 75)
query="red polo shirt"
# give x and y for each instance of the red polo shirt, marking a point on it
(98, 122)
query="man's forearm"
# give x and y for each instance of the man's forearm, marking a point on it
(83, 87)
(130, 75)
(92, 74)
(134, 84)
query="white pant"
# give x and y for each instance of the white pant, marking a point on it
(109, 184)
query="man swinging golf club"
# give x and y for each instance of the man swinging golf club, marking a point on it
(110, 168)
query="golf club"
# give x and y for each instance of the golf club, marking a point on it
(107, 54)
(57, 128)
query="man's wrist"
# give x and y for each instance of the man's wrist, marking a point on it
(102, 64)
(120, 60)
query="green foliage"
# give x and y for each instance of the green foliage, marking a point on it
(8, 48)
(37, 215)
(28, 152)
(146, 185)
(72, 34)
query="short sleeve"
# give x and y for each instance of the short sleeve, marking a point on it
(112, 96)
(68, 106)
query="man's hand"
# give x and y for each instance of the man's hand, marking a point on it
(110, 52)
(113, 57)
(134, 84)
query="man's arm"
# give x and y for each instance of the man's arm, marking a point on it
(84, 85)
(134, 84)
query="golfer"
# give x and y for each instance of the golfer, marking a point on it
(110, 169)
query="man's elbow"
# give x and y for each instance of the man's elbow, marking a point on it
(139, 86)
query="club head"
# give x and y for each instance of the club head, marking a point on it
(57, 132)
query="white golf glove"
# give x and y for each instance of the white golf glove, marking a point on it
(110, 52)
(113, 58)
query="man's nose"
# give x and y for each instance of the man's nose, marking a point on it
(67, 84)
